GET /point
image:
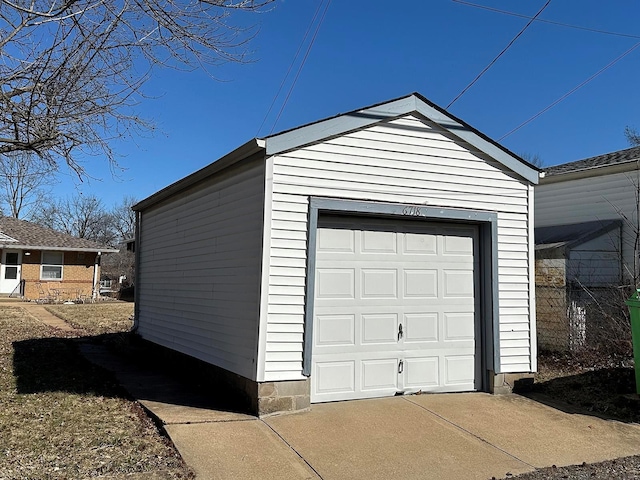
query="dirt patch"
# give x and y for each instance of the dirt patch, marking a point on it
(598, 386)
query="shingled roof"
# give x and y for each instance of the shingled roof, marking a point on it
(21, 234)
(614, 158)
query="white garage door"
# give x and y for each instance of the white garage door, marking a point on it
(395, 308)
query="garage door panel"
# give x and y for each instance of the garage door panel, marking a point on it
(335, 283)
(420, 244)
(457, 243)
(459, 370)
(457, 283)
(335, 241)
(379, 374)
(378, 242)
(414, 276)
(459, 326)
(420, 327)
(421, 373)
(379, 328)
(335, 377)
(335, 330)
(421, 283)
(379, 283)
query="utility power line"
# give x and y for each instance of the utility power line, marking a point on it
(542, 20)
(570, 92)
(293, 61)
(306, 55)
(485, 69)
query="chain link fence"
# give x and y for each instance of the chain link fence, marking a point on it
(572, 317)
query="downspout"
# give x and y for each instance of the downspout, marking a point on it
(136, 274)
(96, 277)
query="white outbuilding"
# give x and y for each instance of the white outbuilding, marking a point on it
(387, 250)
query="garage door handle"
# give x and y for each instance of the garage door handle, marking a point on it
(401, 366)
(400, 333)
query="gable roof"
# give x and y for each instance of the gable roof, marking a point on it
(572, 235)
(348, 122)
(413, 103)
(589, 166)
(20, 234)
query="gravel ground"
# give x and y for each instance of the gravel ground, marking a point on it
(621, 468)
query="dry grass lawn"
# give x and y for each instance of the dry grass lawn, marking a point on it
(96, 318)
(63, 418)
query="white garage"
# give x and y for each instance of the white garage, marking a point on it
(380, 252)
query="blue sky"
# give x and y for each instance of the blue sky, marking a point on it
(370, 51)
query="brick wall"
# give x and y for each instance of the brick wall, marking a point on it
(551, 304)
(77, 275)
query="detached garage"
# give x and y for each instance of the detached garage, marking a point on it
(384, 251)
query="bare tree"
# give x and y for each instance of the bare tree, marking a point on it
(123, 218)
(80, 216)
(25, 181)
(633, 137)
(533, 159)
(71, 71)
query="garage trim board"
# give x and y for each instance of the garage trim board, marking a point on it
(486, 301)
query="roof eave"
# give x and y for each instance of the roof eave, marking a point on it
(250, 148)
(58, 249)
(589, 172)
(550, 246)
(607, 226)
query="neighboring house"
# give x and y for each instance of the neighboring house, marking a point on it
(605, 187)
(590, 209)
(386, 250)
(38, 261)
(573, 263)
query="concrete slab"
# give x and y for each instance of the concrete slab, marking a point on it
(166, 399)
(443, 436)
(535, 433)
(238, 450)
(389, 438)
(175, 413)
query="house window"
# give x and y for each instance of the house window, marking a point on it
(51, 268)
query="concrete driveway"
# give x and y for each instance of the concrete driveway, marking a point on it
(428, 436)
(442, 436)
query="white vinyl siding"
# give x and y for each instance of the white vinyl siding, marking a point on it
(596, 263)
(407, 160)
(601, 197)
(199, 270)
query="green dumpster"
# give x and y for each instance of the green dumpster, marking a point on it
(634, 310)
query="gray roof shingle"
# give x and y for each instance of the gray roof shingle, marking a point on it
(28, 234)
(614, 158)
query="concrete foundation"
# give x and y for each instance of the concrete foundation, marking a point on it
(505, 383)
(282, 397)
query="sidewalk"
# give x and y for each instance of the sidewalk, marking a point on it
(40, 312)
(444, 436)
